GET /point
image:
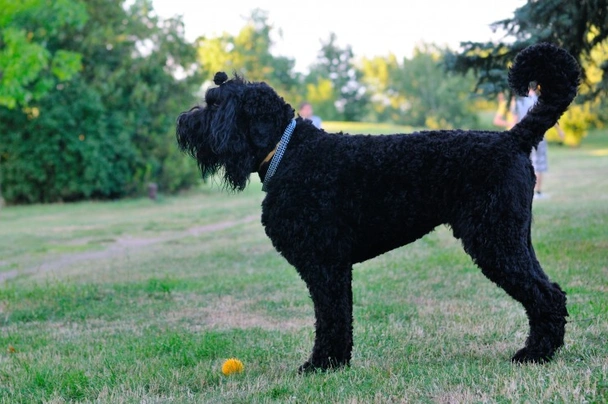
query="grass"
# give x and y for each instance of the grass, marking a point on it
(139, 301)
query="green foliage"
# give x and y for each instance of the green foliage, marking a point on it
(249, 54)
(29, 67)
(107, 131)
(342, 89)
(90, 89)
(349, 100)
(419, 92)
(378, 76)
(578, 26)
(67, 151)
(434, 97)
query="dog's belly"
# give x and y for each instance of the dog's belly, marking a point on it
(374, 242)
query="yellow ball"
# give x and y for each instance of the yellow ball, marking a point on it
(231, 366)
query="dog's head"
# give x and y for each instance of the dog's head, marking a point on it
(240, 123)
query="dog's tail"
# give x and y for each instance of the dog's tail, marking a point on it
(558, 74)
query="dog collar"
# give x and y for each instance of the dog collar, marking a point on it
(278, 154)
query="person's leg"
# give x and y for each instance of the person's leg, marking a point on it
(539, 182)
(538, 156)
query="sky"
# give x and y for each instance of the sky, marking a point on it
(371, 28)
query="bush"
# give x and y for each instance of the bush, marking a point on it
(575, 123)
(62, 150)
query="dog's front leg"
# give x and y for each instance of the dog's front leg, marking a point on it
(330, 288)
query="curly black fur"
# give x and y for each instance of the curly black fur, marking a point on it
(336, 199)
(557, 74)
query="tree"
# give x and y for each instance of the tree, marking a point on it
(581, 27)
(110, 129)
(387, 103)
(434, 98)
(249, 54)
(28, 67)
(65, 149)
(351, 101)
(418, 91)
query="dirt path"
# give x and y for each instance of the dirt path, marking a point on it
(122, 245)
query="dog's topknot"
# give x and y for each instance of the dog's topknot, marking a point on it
(220, 78)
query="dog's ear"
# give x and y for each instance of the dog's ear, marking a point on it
(224, 101)
(224, 130)
(266, 113)
(227, 140)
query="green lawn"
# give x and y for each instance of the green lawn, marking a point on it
(139, 301)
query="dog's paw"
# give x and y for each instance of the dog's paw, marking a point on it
(321, 366)
(526, 355)
(308, 367)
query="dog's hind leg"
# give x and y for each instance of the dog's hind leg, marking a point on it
(547, 319)
(513, 266)
(331, 292)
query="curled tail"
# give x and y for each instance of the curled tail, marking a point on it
(558, 75)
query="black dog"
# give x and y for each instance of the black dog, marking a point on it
(334, 200)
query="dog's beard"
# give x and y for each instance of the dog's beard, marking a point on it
(229, 157)
(236, 176)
